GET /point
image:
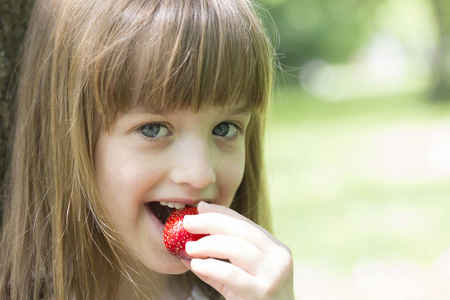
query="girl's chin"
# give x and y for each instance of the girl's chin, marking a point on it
(167, 265)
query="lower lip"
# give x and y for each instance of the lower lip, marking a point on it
(158, 230)
(157, 223)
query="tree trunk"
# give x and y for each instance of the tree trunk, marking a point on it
(441, 87)
(14, 15)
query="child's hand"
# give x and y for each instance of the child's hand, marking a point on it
(258, 266)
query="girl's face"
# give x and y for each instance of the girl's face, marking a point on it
(179, 158)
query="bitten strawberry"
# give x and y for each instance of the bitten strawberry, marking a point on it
(175, 236)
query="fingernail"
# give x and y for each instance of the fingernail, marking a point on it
(203, 204)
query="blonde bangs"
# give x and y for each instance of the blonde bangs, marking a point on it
(186, 54)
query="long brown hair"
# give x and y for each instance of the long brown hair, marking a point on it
(85, 61)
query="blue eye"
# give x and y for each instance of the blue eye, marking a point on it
(226, 130)
(154, 130)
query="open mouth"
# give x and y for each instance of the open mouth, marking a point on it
(162, 212)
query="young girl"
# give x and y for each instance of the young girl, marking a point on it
(125, 107)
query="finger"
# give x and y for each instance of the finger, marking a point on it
(204, 207)
(224, 277)
(235, 249)
(220, 224)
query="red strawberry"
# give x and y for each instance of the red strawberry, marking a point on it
(175, 236)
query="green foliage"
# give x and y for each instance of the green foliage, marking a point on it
(320, 29)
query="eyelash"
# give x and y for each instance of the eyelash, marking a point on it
(153, 139)
(239, 131)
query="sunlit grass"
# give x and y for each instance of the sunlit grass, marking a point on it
(361, 178)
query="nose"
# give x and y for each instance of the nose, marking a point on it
(193, 164)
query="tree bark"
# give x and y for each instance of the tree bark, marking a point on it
(14, 16)
(441, 87)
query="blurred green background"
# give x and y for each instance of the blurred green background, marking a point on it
(358, 146)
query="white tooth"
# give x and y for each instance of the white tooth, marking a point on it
(179, 205)
(173, 204)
